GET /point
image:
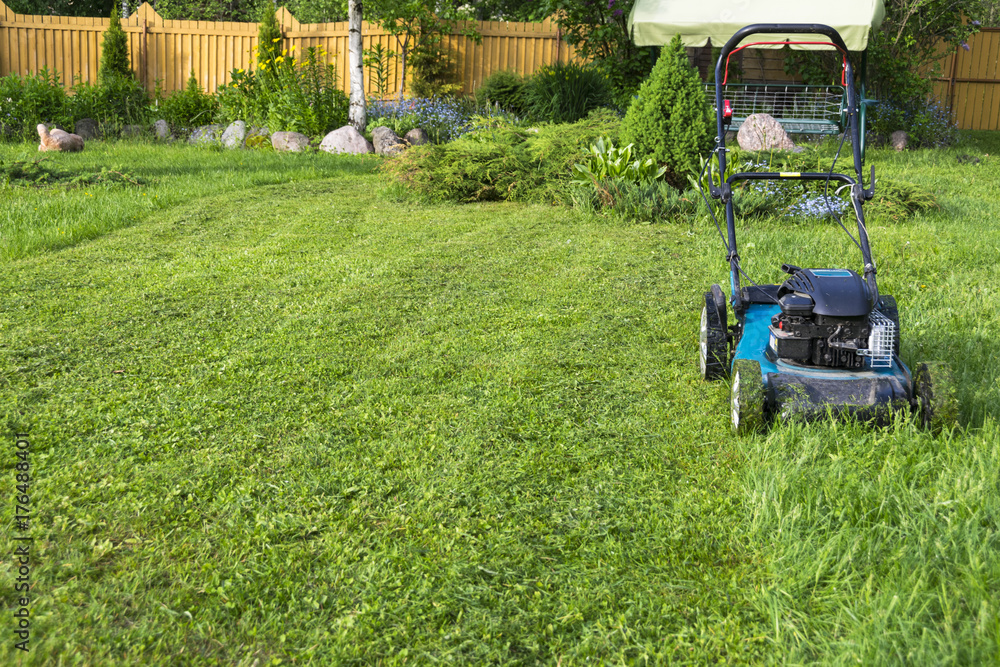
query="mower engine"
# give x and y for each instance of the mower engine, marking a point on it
(827, 319)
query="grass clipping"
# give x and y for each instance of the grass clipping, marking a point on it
(502, 164)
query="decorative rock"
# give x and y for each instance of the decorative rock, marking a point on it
(386, 141)
(416, 137)
(761, 132)
(898, 140)
(346, 140)
(235, 135)
(162, 130)
(206, 134)
(58, 140)
(289, 142)
(86, 128)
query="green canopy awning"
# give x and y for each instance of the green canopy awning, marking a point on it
(655, 22)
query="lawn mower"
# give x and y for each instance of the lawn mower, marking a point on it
(825, 340)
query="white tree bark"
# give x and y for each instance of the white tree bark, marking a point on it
(357, 114)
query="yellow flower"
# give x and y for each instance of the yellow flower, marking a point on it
(285, 52)
(240, 71)
(279, 59)
(293, 48)
(276, 39)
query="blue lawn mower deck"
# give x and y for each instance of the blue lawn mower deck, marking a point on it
(824, 341)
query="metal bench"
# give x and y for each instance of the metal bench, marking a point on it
(799, 108)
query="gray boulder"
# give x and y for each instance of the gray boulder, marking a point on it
(161, 129)
(346, 140)
(898, 140)
(206, 134)
(416, 137)
(289, 142)
(86, 128)
(761, 132)
(387, 142)
(235, 135)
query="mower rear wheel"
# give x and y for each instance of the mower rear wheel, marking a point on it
(934, 390)
(748, 397)
(712, 346)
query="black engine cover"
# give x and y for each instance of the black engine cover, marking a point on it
(823, 319)
(837, 293)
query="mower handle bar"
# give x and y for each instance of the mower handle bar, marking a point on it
(858, 191)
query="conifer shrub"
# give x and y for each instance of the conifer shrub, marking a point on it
(505, 88)
(669, 120)
(505, 163)
(114, 51)
(268, 34)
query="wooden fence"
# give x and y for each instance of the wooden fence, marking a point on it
(970, 85)
(167, 52)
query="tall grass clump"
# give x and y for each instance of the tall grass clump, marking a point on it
(566, 92)
(881, 546)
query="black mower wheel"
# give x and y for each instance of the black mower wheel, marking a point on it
(748, 397)
(936, 399)
(887, 306)
(712, 347)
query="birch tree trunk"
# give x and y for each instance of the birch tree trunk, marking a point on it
(357, 114)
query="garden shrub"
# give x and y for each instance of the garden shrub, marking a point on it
(505, 88)
(114, 51)
(927, 123)
(669, 119)
(32, 99)
(189, 107)
(115, 101)
(566, 92)
(502, 162)
(287, 94)
(433, 68)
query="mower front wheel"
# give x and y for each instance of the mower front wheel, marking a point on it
(936, 400)
(712, 343)
(748, 397)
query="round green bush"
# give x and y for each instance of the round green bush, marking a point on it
(669, 119)
(505, 88)
(189, 107)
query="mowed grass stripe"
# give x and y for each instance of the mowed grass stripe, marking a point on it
(313, 424)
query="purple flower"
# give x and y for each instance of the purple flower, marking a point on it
(975, 23)
(611, 3)
(617, 12)
(965, 46)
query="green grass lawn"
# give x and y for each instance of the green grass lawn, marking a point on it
(278, 417)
